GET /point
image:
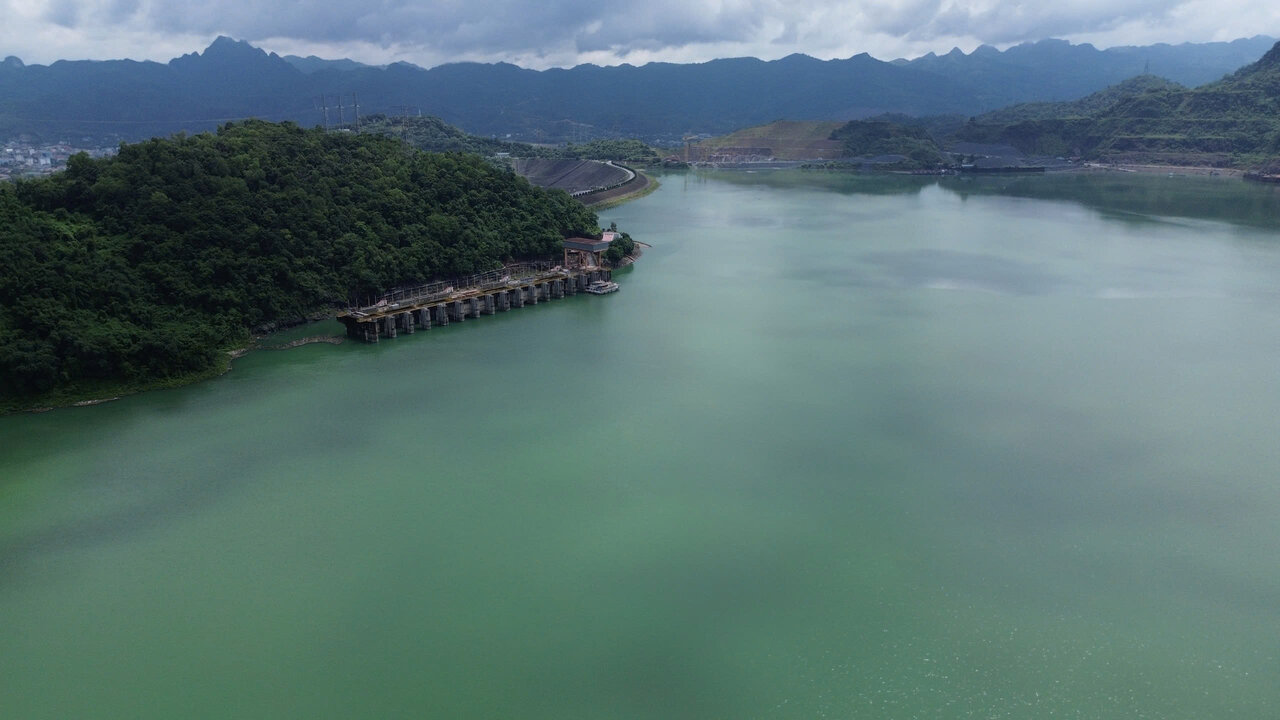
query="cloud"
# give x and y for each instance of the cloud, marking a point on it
(1002, 22)
(565, 32)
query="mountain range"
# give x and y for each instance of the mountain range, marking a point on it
(129, 100)
(1233, 122)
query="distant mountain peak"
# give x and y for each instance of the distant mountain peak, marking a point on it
(226, 54)
(223, 46)
(13, 62)
(1271, 60)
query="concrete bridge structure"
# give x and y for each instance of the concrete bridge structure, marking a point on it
(440, 304)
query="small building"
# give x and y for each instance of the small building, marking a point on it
(587, 252)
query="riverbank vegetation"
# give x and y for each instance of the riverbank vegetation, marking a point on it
(619, 247)
(146, 267)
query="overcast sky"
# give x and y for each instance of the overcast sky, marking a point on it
(562, 33)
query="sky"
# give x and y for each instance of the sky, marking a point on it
(564, 33)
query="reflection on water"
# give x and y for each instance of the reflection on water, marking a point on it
(1128, 197)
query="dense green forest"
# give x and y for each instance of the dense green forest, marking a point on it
(146, 266)
(624, 151)
(435, 135)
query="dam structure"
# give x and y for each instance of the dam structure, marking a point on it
(446, 301)
(579, 178)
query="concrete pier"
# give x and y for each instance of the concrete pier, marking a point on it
(388, 320)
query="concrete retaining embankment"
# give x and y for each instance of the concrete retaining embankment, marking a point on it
(636, 185)
(576, 177)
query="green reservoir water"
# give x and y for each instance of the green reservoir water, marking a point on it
(842, 447)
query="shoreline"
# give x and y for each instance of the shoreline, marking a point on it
(635, 255)
(84, 397)
(608, 200)
(1085, 167)
(1149, 169)
(90, 398)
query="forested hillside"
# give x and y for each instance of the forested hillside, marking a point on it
(146, 266)
(1086, 106)
(882, 137)
(1232, 122)
(435, 135)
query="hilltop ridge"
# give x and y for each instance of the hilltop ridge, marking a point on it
(1234, 122)
(122, 100)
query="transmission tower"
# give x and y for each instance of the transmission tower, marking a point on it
(323, 106)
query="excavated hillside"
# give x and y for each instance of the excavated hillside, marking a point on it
(782, 140)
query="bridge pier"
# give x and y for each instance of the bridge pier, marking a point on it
(475, 301)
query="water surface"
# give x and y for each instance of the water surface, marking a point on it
(841, 447)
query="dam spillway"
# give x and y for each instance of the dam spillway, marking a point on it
(438, 304)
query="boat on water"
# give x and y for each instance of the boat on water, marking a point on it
(602, 287)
